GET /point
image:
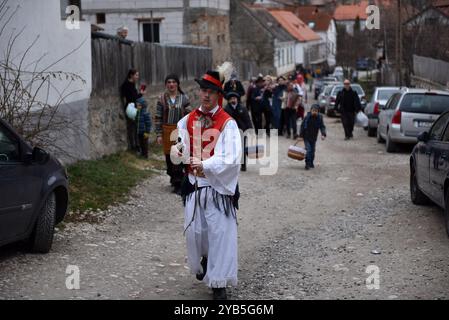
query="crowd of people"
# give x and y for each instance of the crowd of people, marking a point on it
(268, 103)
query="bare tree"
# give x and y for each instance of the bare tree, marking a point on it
(28, 90)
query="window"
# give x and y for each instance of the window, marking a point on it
(151, 32)
(101, 18)
(9, 147)
(394, 101)
(437, 130)
(425, 103)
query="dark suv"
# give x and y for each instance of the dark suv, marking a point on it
(429, 167)
(33, 192)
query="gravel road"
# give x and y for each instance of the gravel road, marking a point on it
(302, 235)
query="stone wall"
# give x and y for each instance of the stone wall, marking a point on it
(107, 122)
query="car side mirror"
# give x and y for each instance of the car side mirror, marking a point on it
(38, 156)
(423, 137)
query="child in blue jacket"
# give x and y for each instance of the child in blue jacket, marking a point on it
(143, 123)
(310, 127)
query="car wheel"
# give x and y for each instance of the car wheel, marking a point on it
(379, 137)
(418, 197)
(41, 239)
(390, 145)
(446, 213)
(371, 132)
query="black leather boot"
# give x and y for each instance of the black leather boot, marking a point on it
(220, 294)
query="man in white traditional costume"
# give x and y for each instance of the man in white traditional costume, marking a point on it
(211, 141)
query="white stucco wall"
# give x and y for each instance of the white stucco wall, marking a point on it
(171, 26)
(43, 19)
(126, 13)
(284, 57)
(332, 43)
(299, 53)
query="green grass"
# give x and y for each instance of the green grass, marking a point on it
(98, 184)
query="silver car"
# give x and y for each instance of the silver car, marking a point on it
(378, 100)
(333, 97)
(408, 114)
(322, 98)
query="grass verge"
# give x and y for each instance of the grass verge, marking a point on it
(97, 184)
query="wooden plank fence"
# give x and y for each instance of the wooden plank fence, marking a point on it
(111, 60)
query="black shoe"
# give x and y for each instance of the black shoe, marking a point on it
(243, 168)
(220, 294)
(312, 166)
(307, 167)
(200, 276)
(347, 139)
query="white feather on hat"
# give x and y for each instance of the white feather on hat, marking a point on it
(225, 71)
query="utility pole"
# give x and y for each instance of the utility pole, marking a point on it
(399, 45)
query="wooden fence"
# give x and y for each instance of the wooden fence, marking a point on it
(111, 60)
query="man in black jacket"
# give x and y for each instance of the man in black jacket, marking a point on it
(240, 115)
(348, 104)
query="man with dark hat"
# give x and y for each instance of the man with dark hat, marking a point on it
(211, 145)
(240, 114)
(172, 106)
(234, 85)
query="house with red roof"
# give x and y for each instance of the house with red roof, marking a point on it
(347, 14)
(324, 25)
(271, 40)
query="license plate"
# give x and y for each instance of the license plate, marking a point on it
(424, 124)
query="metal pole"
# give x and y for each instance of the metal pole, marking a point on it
(400, 43)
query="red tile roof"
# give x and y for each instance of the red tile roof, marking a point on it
(351, 12)
(310, 14)
(294, 25)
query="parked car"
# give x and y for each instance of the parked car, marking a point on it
(322, 98)
(333, 97)
(378, 100)
(408, 114)
(33, 192)
(429, 167)
(365, 64)
(321, 83)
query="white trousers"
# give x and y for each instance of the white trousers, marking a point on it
(213, 235)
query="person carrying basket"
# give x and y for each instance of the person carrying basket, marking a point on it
(312, 124)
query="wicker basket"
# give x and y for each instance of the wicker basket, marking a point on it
(297, 152)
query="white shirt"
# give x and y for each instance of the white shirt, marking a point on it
(223, 168)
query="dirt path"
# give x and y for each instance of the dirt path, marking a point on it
(302, 235)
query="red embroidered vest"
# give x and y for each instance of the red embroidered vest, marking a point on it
(204, 131)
